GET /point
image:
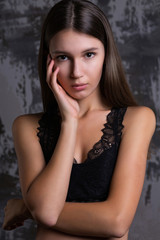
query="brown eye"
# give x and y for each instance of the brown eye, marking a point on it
(90, 55)
(62, 58)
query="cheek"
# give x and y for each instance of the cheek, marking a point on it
(62, 76)
(63, 68)
(96, 69)
(97, 64)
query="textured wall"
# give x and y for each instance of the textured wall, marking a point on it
(136, 26)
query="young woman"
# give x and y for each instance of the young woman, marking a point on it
(81, 162)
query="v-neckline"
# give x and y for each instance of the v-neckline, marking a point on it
(102, 130)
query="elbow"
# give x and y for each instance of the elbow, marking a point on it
(43, 212)
(45, 217)
(119, 228)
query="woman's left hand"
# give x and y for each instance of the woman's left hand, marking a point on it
(16, 213)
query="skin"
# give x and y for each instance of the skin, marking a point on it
(77, 59)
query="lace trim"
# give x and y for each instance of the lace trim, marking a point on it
(48, 133)
(112, 132)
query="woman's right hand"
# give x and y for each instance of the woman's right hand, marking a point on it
(68, 106)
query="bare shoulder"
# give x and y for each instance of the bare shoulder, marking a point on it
(140, 117)
(138, 113)
(26, 122)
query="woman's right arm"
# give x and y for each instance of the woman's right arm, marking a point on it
(44, 187)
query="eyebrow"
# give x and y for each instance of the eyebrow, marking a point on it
(65, 52)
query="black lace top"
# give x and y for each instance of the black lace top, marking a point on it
(90, 180)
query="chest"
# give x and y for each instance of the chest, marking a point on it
(98, 133)
(89, 133)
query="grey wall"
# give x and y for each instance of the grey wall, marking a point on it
(136, 27)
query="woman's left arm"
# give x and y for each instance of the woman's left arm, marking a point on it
(113, 217)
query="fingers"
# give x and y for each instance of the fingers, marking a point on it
(51, 77)
(12, 223)
(12, 226)
(12, 216)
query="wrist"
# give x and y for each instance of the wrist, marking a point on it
(24, 210)
(73, 122)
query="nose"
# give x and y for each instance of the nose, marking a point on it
(76, 69)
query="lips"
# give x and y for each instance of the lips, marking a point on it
(79, 87)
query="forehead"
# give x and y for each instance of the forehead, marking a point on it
(69, 40)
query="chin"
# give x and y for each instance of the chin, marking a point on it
(79, 96)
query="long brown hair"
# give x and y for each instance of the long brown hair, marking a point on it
(85, 17)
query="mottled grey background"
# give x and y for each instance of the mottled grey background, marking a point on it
(136, 27)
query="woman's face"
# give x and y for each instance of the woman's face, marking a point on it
(80, 58)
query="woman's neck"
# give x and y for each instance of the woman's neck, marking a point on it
(91, 103)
